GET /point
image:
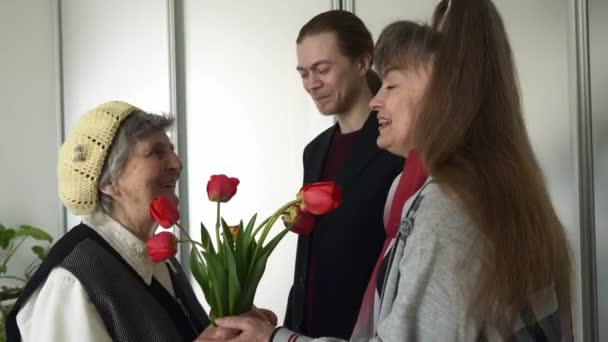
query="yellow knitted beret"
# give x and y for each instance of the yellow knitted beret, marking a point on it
(82, 155)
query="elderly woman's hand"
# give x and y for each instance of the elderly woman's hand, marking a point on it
(264, 314)
(255, 325)
(213, 333)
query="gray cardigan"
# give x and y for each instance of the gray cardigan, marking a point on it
(429, 282)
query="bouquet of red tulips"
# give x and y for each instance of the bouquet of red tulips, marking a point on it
(230, 271)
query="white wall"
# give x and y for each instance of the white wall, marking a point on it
(248, 116)
(377, 17)
(29, 118)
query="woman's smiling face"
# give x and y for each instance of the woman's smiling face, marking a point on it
(151, 170)
(396, 103)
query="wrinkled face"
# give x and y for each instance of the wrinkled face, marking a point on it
(151, 170)
(333, 81)
(396, 103)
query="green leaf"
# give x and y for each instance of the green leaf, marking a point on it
(206, 239)
(199, 271)
(227, 235)
(234, 286)
(259, 227)
(2, 269)
(249, 230)
(274, 242)
(250, 225)
(244, 247)
(213, 307)
(39, 251)
(252, 246)
(240, 253)
(6, 236)
(219, 282)
(212, 314)
(10, 293)
(248, 290)
(35, 233)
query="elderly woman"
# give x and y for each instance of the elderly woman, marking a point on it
(98, 283)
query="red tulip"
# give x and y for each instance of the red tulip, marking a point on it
(162, 246)
(164, 211)
(221, 188)
(306, 221)
(320, 198)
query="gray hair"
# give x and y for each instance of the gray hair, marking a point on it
(131, 129)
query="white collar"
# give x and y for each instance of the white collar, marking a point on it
(129, 246)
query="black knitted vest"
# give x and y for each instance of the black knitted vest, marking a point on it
(130, 309)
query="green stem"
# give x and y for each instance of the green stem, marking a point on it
(267, 227)
(14, 278)
(274, 219)
(4, 314)
(31, 268)
(289, 227)
(258, 228)
(12, 251)
(193, 242)
(198, 254)
(217, 225)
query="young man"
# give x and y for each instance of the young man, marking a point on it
(334, 263)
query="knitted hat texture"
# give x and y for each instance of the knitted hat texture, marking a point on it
(82, 155)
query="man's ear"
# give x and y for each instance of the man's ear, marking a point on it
(364, 63)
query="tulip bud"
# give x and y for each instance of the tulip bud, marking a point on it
(234, 230)
(221, 188)
(320, 198)
(162, 246)
(303, 222)
(164, 211)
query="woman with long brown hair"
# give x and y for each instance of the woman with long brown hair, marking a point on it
(472, 136)
(480, 254)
